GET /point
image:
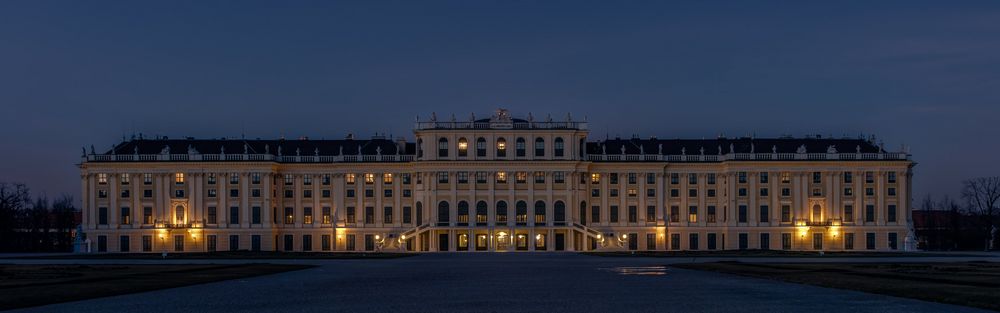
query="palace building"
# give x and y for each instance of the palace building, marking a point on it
(496, 184)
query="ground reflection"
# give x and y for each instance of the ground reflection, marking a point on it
(638, 270)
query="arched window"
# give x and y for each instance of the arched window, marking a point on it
(583, 212)
(481, 213)
(443, 148)
(559, 147)
(179, 214)
(463, 147)
(521, 213)
(519, 147)
(481, 147)
(444, 214)
(501, 212)
(463, 213)
(501, 148)
(539, 147)
(420, 148)
(539, 212)
(559, 212)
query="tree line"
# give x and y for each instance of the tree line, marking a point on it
(971, 222)
(35, 224)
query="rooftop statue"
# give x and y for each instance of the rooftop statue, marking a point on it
(831, 149)
(801, 149)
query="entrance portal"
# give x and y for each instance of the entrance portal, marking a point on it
(503, 241)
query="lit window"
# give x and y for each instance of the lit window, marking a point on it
(147, 178)
(502, 177)
(307, 180)
(595, 178)
(463, 147)
(369, 178)
(501, 146)
(387, 178)
(349, 178)
(179, 178)
(124, 179)
(102, 178)
(786, 178)
(522, 177)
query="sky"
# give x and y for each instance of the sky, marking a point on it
(925, 74)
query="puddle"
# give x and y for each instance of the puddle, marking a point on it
(638, 270)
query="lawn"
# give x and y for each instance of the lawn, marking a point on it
(33, 285)
(975, 284)
(229, 255)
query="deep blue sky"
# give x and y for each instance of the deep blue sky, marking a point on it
(77, 73)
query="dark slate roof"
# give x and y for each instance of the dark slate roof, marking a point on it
(740, 145)
(257, 146)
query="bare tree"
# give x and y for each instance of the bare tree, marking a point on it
(64, 223)
(983, 197)
(14, 201)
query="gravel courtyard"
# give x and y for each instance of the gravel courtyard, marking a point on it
(500, 282)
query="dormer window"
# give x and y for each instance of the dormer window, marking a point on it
(463, 147)
(480, 147)
(539, 147)
(559, 147)
(501, 148)
(442, 148)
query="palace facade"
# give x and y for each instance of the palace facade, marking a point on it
(496, 184)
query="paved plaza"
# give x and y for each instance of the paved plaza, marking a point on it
(497, 282)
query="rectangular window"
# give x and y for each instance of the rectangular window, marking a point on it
(255, 242)
(234, 179)
(893, 241)
(102, 243)
(289, 216)
(126, 217)
(817, 177)
(387, 215)
(407, 215)
(869, 177)
(891, 213)
(786, 192)
(650, 213)
(147, 179)
(211, 243)
(786, 241)
(369, 242)
(179, 179)
(521, 177)
(711, 214)
(743, 241)
(692, 214)
(650, 192)
(763, 192)
(891, 191)
(212, 215)
(147, 193)
(849, 241)
(539, 177)
(675, 214)
(692, 179)
(211, 179)
(442, 177)
(765, 213)
(387, 178)
(870, 213)
(501, 177)
(674, 193)
(763, 177)
(765, 241)
(741, 177)
(711, 178)
(848, 177)
(675, 241)
(307, 242)
(350, 215)
(848, 191)
(234, 193)
(692, 193)
(123, 244)
(633, 214)
(742, 192)
(711, 193)
(327, 217)
(675, 178)
(742, 214)
(650, 178)
(870, 241)
(613, 178)
(147, 215)
(710, 241)
(849, 213)
(234, 215)
(595, 214)
(234, 242)
(369, 215)
(369, 178)
(307, 215)
(650, 241)
(613, 218)
(350, 242)
(255, 215)
(349, 178)
(102, 216)
(786, 213)
(693, 241)
(179, 243)
(557, 177)
(325, 242)
(407, 178)
(891, 177)
(147, 243)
